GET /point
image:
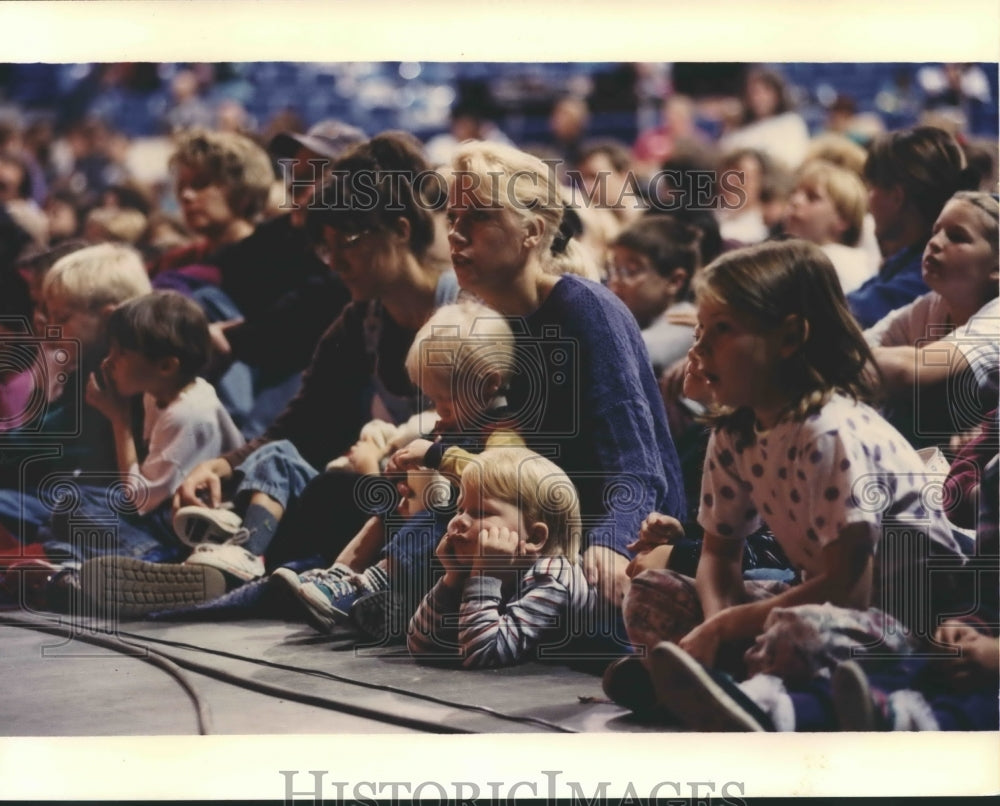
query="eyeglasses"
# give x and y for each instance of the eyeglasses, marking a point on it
(342, 240)
(625, 272)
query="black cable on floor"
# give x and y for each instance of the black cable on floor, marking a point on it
(156, 659)
(238, 680)
(482, 709)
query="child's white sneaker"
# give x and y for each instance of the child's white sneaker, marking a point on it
(197, 525)
(230, 558)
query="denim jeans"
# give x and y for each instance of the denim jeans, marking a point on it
(410, 546)
(276, 469)
(78, 521)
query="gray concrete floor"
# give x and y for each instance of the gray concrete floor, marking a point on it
(56, 689)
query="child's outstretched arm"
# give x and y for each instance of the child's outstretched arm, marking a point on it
(846, 582)
(905, 366)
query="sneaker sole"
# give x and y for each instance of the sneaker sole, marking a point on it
(685, 689)
(196, 525)
(852, 699)
(126, 588)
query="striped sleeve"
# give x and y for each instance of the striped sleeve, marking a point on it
(493, 633)
(433, 627)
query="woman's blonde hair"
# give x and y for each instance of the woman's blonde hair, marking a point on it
(117, 225)
(540, 490)
(494, 174)
(839, 150)
(846, 191)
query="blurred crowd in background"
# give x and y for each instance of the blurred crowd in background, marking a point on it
(84, 148)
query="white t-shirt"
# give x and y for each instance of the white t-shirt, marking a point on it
(746, 227)
(809, 480)
(784, 138)
(193, 428)
(667, 342)
(853, 265)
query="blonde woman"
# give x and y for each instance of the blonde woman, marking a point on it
(583, 390)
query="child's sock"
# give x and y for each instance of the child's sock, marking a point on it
(770, 695)
(373, 579)
(261, 526)
(908, 710)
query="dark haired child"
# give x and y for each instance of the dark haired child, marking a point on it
(650, 268)
(158, 344)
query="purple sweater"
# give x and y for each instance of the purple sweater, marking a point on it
(584, 394)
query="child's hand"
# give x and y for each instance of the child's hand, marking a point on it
(695, 385)
(653, 546)
(606, 570)
(455, 559)
(954, 633)
(410, 457)
(364, 457)
(203, 485)
(498, 546)
(380, 433)
(656, 530)
(106, 398)
(980, 652)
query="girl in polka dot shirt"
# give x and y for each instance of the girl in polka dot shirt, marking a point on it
(794, 446)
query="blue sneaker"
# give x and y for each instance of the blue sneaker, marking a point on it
(327, 593)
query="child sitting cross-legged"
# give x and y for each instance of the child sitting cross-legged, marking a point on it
(461, 359)
(513, 584)
(158, 343)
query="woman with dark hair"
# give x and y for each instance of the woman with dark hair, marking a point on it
(377, 231)
(910, 176)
